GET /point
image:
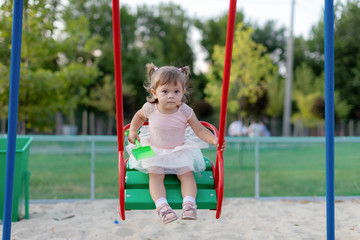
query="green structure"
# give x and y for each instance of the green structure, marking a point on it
(137, 194)
(21, 178)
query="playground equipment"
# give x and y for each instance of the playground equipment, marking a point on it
(133, 185)
(14, 99)
(21, 177)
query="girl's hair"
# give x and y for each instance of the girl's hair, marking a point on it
(166, 75)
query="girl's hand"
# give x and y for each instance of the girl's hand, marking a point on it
(132, 136)
(223, 147)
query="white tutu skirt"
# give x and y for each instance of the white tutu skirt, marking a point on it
(178, 160)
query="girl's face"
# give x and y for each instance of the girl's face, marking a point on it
(169, 97)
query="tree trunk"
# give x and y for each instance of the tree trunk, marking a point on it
(351, 127)
(3, 126)
(59, 123)
(72, 118)
(84, 122)
(298, 128)
(320, 129)
(342, 129)
(110, 125)
(99, 126)
(273, 125)
(92, 123)
(18, 131)
(23, 127)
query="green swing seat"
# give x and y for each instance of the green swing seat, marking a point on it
(134, 191)
(137, 195)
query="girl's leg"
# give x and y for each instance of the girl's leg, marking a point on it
(189, 192)
(158, 194)
(156, 186)
(188, 184)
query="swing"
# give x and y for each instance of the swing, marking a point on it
(134, 185)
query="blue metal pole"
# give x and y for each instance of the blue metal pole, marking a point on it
(329, 118)
(12, 116)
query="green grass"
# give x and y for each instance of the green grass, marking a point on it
(285, 170)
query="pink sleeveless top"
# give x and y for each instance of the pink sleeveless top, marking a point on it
(167, 130)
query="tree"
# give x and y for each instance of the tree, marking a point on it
(74, 80)
(4, 91)
(57, 67)
(347, 53)
(273, 39)
(252, 70)
(39, 49)
(79, 70)
(38, 88)
(214, 31)
(78, 43)
(309, 95)
(162, 38)
(38, 98)
(275, 96)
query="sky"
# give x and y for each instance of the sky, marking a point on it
(307, 12)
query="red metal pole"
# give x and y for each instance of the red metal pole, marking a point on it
(227, 68)
(219, 169)
(119, 103)
(118, 74)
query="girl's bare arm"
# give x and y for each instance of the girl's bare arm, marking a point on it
(203, 133)
(136, 122)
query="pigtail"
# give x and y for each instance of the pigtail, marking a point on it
(186, 71)
(150, 69)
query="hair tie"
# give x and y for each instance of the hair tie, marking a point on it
(156, 68)
(179, 69)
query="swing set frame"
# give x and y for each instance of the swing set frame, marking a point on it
(14, 100)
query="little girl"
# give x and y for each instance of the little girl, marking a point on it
(168, 117)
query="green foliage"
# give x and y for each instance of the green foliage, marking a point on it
(48, 82)
(5, 33)
(79, 43)
(38, 88)
(273, 39)
(4, 90)
(306, 82)
(67, 56)
(214, 31)
(308, 90)
(304, 103)
(347, 53)
(252, 70)
(103, 96)
(38, 44)
(275, 93)
(38, 97)
(75, 80)
(342, 108)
